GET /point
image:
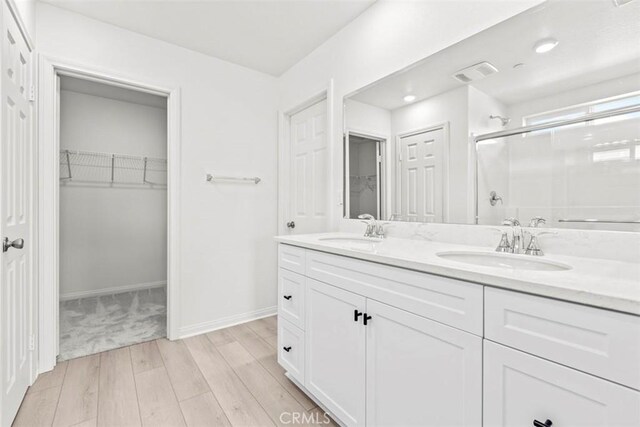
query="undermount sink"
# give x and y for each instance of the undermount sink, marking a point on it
(502, 260)
(346, 239)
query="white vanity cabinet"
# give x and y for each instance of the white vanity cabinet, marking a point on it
(436, 351)
(373, 363)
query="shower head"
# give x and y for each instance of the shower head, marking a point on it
(505, 120)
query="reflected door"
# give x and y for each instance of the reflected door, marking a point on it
(421, 176)
(16, 293)
(308, 183)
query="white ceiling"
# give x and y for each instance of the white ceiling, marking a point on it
(268, 36)
(598, 41)
(102, 90)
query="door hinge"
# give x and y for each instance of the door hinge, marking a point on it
(32, 342)
(379, 159)
(32, 93)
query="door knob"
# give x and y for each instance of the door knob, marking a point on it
(291, 224)
(6, 244)
(547, 423)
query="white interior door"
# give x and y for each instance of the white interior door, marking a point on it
(308, 204)
(16, 293)
(421, 176)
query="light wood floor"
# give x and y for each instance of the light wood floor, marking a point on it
(228, 377)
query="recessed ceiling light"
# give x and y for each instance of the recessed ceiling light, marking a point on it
(409, 98)
(545, 45)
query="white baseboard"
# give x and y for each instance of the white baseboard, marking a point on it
(225, 322)
(111, 291)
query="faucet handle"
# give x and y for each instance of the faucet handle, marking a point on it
(533, 248)
(536, 221)
(504, 245)
(368, 217)
(511, 221)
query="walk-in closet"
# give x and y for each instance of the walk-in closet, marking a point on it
(112, 217)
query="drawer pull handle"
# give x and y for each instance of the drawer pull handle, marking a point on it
(287, 297)
(356, 314)
(287, 349)
(366, 319)
(547, 423)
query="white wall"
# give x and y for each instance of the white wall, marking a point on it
(385, 38)
(228, 256)
(367, 119)
(116, 236)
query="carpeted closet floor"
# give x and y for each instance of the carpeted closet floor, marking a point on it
(96, 324)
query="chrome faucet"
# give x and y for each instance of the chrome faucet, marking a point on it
(517, 242)
(517, 236)
(536, 221)
(374, 229)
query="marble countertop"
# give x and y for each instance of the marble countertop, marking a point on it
(600, 283)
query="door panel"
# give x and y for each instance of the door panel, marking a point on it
(308, 178)
(520, 388)
(335, 351)
(420, 372)
(16, 292)
(421, 176)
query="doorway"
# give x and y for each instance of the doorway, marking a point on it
(112, 217)
(306, 198)
(52, 167)
(363, 176)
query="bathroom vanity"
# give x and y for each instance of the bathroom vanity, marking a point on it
(394, 332)
(420, 332)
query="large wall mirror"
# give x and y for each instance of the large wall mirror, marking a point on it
(538, 116)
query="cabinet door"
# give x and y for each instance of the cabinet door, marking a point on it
(335, 351)
(520, 389)
(420, 372)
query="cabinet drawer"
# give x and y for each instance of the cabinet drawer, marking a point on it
(291, 297)
(520, 388)
(600, 342)
(449, 301)
(291, 349)
(291, 258)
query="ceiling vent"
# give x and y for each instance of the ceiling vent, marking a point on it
(475, 72)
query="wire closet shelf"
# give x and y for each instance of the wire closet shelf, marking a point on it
(111, 168)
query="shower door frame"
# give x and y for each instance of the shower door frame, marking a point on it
(475, 139)
(47, 265)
